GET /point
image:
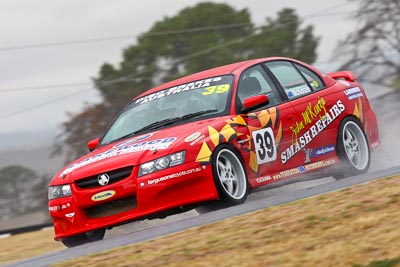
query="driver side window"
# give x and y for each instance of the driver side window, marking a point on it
(255, 81)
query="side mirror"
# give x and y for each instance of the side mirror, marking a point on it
(254, 102)
(92, 144)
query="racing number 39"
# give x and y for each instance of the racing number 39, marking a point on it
(264, 143)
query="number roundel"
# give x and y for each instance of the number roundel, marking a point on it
(264, 143)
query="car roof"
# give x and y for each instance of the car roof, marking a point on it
(233, 68)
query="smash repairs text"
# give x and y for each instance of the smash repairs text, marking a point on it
(314, 130)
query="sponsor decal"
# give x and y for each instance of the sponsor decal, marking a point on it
(198, 139)
(173, 176)
(53, 208)
(311, 112)
(103, 195)
(353, 93)
(303, 169)
(69, 215)
(64, 206)
(126, 148)
(326, 117)
(344, 82)
(263, 179)
(178, 89)
(297, 91)
(192, 137)
(320, 164)
(314, 84)
(59, 207)
(315, 152)
(133, 140)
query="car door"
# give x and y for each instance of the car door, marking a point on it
(312, 140)
(267, 129)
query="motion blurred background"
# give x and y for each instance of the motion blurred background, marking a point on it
(67, 68)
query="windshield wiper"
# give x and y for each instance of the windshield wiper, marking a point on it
(158, 124)
(196, 114)
(169, 121)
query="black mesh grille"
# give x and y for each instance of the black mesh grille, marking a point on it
(115, 176)
(111, 208)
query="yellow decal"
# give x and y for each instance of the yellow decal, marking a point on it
(260, 121)
(359, 110)
(253, 162)
(273, 115)
(278, 136)
(264, 118)
(356, 111)
(103, 195)
(204, 154)
(227, 131)
(309, 114)
(237, 120)
(214, 135)
(218, 89)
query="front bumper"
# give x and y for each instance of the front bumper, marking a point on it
(131, 198)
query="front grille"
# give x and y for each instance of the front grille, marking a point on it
(115, 176)
(111, 208)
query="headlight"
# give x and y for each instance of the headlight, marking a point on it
(59, 191)
(162, 163)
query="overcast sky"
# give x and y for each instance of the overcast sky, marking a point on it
(26, 106)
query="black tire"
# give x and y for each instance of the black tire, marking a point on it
(229, 178)
(81, 239)
(352, 148)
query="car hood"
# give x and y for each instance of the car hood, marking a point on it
(135, 150)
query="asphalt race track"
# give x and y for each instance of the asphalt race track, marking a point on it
(257, 200)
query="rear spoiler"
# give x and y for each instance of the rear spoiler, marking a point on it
(343, 75)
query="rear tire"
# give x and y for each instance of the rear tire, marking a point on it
(229, 178)
(353, 149)
(84, 238)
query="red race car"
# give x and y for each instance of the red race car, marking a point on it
(211, 137)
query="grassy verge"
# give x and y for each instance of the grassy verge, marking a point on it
(23, 246)
(358, 226)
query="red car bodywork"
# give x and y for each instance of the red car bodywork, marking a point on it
(299, 127)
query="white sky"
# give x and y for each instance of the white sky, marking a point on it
(28, 22)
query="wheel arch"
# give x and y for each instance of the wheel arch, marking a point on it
(238, 151)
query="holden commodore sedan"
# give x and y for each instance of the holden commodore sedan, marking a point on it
(211, 137)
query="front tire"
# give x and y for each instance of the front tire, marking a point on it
(84, 238)
(229, 178)
(353, 149)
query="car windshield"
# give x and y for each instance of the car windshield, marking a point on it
(190, 101)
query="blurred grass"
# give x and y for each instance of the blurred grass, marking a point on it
(358, 226)
(23, 246)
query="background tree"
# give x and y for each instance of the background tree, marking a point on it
(22, 190)
(197, 38)
(373, 47)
